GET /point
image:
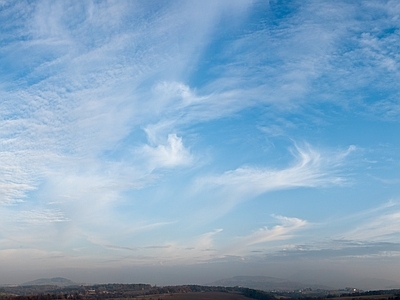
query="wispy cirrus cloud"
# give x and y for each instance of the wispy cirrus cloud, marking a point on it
(38, 216)
(279, 232)
(209, 246)
(83, 93)
(310, 169)
(265, 240)
(382, 224)
(374, 234)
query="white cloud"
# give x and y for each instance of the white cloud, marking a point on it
(264, 239)
(377, 225)
(36, 216)
(196, 249)
(171, 154)
(311, 169)
(205, 241)
(283, 231)
(81, 96)
(208, 246)
(17, 180)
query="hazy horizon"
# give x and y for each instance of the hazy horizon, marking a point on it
(199, 140)
(338, 279)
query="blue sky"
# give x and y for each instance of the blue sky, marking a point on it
(187, 141)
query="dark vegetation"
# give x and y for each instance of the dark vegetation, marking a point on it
(194, 292)
(126, 291)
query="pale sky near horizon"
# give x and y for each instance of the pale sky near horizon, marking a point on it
(221, 138)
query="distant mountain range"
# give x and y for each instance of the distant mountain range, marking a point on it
(265, 283)
(313, 280)
(58, 281)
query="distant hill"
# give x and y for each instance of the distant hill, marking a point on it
(58, 281)
(265, 283)
(342, 279)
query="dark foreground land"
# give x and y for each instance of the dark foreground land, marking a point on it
(198, 296)
(130, 291)
(182, 292)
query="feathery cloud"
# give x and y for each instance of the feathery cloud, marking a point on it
(311, 169)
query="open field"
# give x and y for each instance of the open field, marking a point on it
(196, 296)
(367, 297)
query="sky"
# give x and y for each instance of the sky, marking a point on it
(173, 142)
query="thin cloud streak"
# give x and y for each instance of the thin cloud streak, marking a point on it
(278, 232)
(311, 169)
(384, 226)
